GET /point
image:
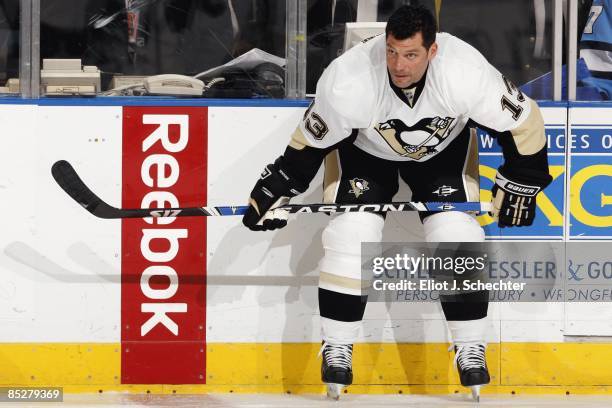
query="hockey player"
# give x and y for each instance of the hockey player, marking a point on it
(401, 103)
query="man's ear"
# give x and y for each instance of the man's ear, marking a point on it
(433, 50)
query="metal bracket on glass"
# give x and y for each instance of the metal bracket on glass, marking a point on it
(557, 63)
(29, 48)
(295, 75)
(572, 45)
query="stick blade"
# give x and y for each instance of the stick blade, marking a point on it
(68, 179)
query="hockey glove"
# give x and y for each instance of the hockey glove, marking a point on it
(514, 197)
(272, 190)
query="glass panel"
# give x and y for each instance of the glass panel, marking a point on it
(594, 70)
(325, 35)
(9, 47)
(128, 40)
(514, 35)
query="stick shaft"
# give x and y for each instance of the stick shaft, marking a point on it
(68, 179)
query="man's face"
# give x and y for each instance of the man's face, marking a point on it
(407, 59)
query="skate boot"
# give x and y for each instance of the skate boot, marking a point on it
(472, 366)
(336, 369)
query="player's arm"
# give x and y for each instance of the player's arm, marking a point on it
(338, 108)
(524, 172)
(517, 123)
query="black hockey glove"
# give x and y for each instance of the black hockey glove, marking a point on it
(272, 190)
(514, 196)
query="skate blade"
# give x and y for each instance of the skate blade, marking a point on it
(475, 392)
(334, 391)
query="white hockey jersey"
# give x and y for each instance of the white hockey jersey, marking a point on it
(354, 92)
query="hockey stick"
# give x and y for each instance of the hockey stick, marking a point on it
(67, 178)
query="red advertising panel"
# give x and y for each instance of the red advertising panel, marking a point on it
(163, 260)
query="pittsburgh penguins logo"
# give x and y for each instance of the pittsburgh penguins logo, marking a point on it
(358, 186)
(418, 140)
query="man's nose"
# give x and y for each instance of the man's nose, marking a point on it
(398, 64)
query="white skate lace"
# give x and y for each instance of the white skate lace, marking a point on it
(337, 355)
(470, 355)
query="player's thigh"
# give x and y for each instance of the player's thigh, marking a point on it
(353, 176)
(450, 176)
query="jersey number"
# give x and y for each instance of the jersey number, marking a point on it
(595, 12)
(506, 103)
(314, 124)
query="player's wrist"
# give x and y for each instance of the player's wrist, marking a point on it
(276, 182)
(514, 187)
(291, 186)
(521, 181)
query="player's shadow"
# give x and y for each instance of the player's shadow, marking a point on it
(262, 285)
(242, 251)
(246, 263)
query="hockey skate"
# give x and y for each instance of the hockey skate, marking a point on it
(336, 369)
(472, 365)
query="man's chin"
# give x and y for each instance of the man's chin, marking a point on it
(401, 83)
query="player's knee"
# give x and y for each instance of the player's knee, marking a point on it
(346, 232)
(342, 238)
(452, 226)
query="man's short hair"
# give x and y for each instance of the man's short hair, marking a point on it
(406, 21)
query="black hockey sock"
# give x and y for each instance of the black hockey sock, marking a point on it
(341, 307)
(467, 306)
